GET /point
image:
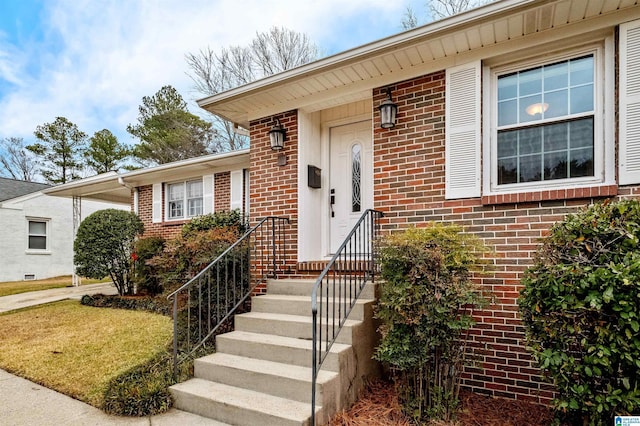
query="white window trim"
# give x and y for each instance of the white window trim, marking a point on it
(47, 236)
(185, 207)
(604, 131)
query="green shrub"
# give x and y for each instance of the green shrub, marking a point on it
(142, 390)
(581, 307)
(183, 257)
(224, 219)
(104, 244)
(425, 311)
(145, 279)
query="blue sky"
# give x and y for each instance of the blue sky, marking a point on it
(92, 61)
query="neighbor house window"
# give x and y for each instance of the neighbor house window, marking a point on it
(546, 131)
(184, 199)
(37, 235)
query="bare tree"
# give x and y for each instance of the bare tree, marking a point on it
(439, 9)
(409, 19)
(271, 52)
(17, 161)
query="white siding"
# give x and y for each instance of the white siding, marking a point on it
(15, 258)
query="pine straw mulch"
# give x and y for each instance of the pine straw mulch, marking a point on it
(379, 406)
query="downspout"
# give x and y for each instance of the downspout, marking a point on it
(135, 193)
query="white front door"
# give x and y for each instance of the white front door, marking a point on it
(351, 178)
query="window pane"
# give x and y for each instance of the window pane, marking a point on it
(563, 147)
(530, 168)
(530, 140)
(581, 71)
(555, 165)
(508, 87)
(556, 76)
(530, 108)
(175, 209)
(37, 228)
(530, 82)
(581, 162)
(507, 144)
(176, 191)
(37, 243)
(581, 133)
(507, 113)
(555, 137)
(557, 104)
(194, 189)
(582, 99)
(356, 179)
(195, 207)
(507, 171)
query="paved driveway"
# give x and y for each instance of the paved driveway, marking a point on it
(32, 298)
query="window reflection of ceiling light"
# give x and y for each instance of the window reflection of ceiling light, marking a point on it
(538, 108)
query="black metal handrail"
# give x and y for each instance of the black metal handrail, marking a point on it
(338, 287)
(208, 300)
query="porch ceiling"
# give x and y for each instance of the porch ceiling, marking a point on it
(350, 76)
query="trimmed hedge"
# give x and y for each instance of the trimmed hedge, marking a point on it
(581, 309)
(157, 305)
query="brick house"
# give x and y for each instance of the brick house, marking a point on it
(168, 195)
(509, 117)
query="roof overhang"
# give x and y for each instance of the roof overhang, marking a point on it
(350, 76)
(116, 187)
(103, 187)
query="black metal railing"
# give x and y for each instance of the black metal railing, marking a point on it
(208, 301)
(338, 287)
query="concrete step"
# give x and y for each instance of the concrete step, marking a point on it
(289, 326)
(300, 287)
(239, 406)
(281, 349)
(283, 380)
(301, 305)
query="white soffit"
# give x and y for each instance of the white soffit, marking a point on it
(350, 76)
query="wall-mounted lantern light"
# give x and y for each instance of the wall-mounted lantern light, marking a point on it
(277, 136)
(388, 112)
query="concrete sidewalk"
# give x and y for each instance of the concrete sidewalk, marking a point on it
(26, 403)
(33, 298)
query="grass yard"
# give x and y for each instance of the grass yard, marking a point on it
(77, 349)
(15, 287)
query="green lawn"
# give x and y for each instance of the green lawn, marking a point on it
(77, 349)
(15, 287)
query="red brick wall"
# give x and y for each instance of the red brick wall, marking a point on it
(409, 182)
(145, 205)
(222, 189)
(273, 188)
(222, 194)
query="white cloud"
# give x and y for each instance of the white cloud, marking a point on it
(100, 58)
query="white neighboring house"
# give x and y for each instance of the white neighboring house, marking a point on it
(37, 230)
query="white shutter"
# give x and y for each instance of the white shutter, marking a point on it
(236, 189)
(207, 194)
(156, 196)
(462, 143)
(629, 171)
